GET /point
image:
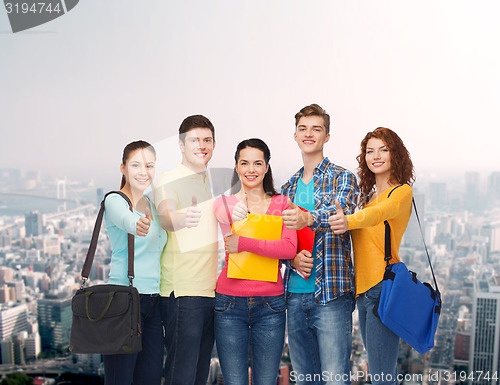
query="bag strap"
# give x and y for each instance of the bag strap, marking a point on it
(89, 259)
(425, 246)
(388, 255)
(228, 213)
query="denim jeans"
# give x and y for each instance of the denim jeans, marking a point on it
(381, 344)
(189, 338)
(258, 320)
(320, 338)
(145, 367)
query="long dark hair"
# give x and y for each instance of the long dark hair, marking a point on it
(401, 165)
(129, 149)
(259, 144)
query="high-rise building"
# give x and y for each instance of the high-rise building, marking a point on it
(7, 294)
(18, 287)
(484, 344)
(45, 283)
(5, 239)
(438, 195)
(33, 224)
(462, 347)
(54, 322)
(7, 351)
(495, 237)
(102, 272)
(471, 194)
(99, 195)
(494, 186)
(492, 232)
(51, 246)
(6, 274)
(13, 320)
(33, 346)
(32, 343)
(18, 339)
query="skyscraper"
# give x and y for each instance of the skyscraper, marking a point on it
(484, 346)
(54, 322)
(471, 194)
(7, 349)
(13, 320)
(494, 186)
(100, 195)
(33, 223)
(438, 195)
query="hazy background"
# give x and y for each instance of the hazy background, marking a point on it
(74, 91)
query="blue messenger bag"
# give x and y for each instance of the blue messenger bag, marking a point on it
(407, 306)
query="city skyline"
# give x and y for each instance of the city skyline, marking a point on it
(42, 256)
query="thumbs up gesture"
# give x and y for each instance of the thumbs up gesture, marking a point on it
(147, 213)
(240, 210)
(294, 218)
(142, 225)
(338, 221)
(192, 216)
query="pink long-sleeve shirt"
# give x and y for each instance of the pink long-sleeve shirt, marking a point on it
(284, 248)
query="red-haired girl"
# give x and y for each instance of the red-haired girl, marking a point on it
(384, 168)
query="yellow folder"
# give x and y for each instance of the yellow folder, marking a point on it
(246, 265)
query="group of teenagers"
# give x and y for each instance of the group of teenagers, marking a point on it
(185, 306)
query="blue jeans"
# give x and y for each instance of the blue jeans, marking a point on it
(145, 367)
(189, 338)
(381, 344)
(258, 320)
(320, 338)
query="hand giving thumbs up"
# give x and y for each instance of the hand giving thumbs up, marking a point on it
(240, 210)
(142, 225)
(192, 215)
(295, 219)
(338, 221)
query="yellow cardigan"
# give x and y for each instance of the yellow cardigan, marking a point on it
(368, 234)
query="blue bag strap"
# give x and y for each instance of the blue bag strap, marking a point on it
(388, 255)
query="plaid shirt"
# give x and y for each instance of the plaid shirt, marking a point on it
(334, 271)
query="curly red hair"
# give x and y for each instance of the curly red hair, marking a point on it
(401, 165)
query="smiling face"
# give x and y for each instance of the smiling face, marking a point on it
(197, 148)
(139, 169)
(251, 168)
(310, 134)
(378, 157)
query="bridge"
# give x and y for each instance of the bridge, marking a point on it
(28, 195)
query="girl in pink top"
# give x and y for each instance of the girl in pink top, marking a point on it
(248, 311)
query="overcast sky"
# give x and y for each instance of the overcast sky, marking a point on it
(74, 91)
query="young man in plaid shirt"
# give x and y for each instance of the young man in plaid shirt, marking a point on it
(319, 286)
